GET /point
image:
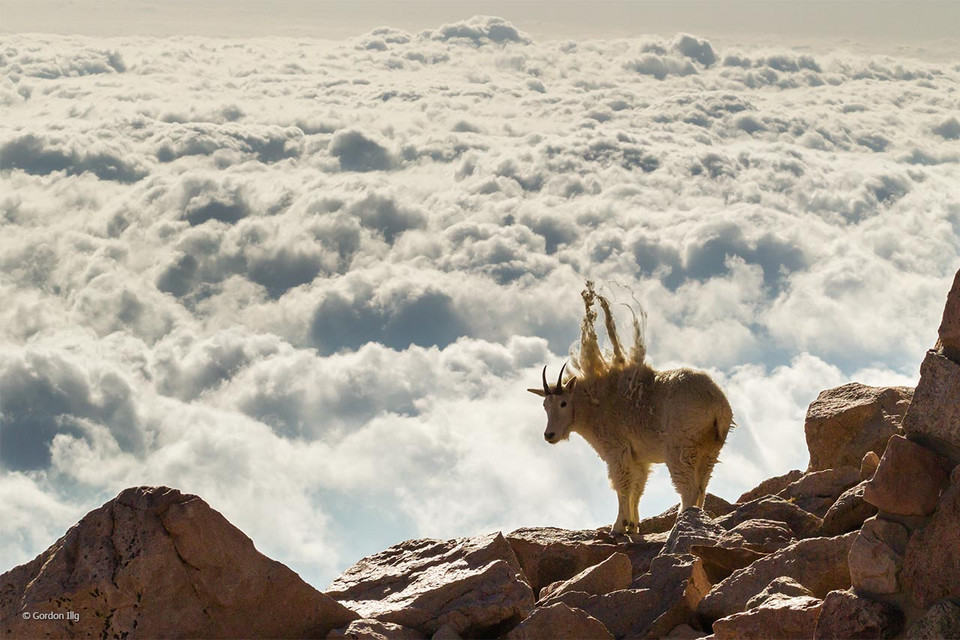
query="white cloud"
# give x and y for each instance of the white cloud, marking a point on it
(311, 280)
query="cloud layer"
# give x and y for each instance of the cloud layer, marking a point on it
(311, 280)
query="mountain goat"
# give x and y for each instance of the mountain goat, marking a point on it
(634, 416)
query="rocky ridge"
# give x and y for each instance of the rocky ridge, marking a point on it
(864, 543)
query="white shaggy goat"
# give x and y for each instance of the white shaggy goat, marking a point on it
(634, 416)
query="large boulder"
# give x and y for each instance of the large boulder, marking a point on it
(778, 617)
(473, 585)
(549, 554)
(771, 486)
(876, 556)
(152, 563)
(849, 511)
(612, 574)
(758, 534)
(559, 621)
(934, 416)
(846, 615)
(657, 602)
(931, 566)
(846, 422)
(693, 527)
(909, 479)
(802, 523)
(817, 491)
(819, 564)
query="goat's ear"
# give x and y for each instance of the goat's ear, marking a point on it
(539, 392)
(571, 383)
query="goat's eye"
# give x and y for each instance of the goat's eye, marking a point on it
(563, 404)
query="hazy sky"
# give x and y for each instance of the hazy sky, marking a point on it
(310, 280)
(880, 23)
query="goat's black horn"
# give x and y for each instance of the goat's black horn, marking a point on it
(560, 379)
(546, 387)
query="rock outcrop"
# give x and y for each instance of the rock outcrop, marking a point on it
(844, 423)
(153, 563)
(865, 543)
(473, 585)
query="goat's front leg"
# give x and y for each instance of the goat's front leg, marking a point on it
(621, 481)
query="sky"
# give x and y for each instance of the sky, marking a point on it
(309, 276)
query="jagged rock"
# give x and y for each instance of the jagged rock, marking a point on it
(771, 486)
(559, 621)
(819, 564)
(693, 526)
(364, 629)
(783, 586)
(909, 479)
(658, 601)
(843, 423)
(950, 324)
(778, 617)
(802, 523)
(876, 556)
(612, 574)
(763, 536)
(849, 511)
(549, 554)
(154, 562)
(931, 565)
(941, 621)
(869, 464)
(818, 490)
(934, 416)
(719, 561)
(473, 584)
(714, 506)
(846, 615)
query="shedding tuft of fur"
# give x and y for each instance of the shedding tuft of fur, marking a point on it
(595, 368)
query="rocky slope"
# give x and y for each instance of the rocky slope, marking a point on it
(865, 543)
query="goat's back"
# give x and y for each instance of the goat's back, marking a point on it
(690, 400)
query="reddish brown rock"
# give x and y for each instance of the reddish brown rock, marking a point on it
(763, 536)
(940, 621)
(849, 512)
(659, 601)
(693, 527)
(876, 556)
(950, 324)
(713, 506)
(612, 574)
(909, 479)
(819, 564)
(550, 555)
(374, 630)
(869, 464)
(771, 486)
(845, 615)
(931, 566)
(934, 416)
(558, 621)
(844, 423)
(802, 523)
(818, 490)
(719, 562)
(154, 562)
(474, 585)
(778, 617)
(779, 587)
